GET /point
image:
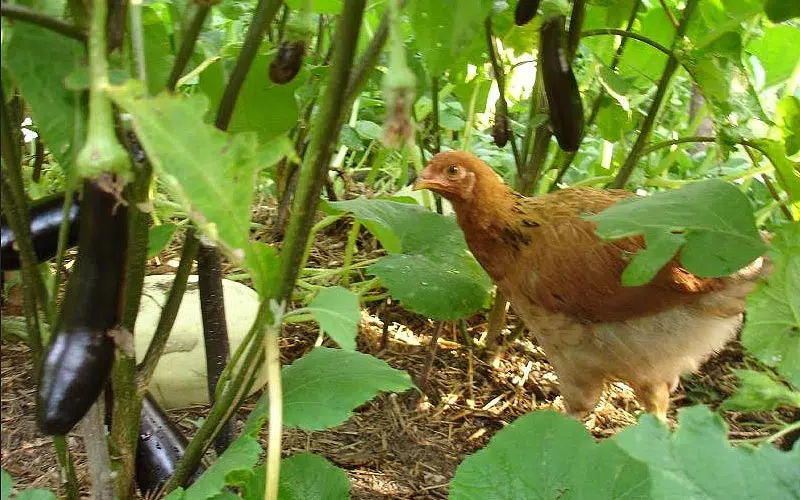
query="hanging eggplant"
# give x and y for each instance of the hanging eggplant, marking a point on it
(161, 445)
(563, 97)
(525, 11)
(45, 218)
(79, 357)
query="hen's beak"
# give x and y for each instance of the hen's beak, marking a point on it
(424, 184)
(424, 181)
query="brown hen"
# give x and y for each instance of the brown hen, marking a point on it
(565, 283)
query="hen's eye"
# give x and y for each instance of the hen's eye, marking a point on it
(452, 170)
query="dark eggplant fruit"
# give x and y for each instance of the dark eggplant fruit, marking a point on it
(79, 357)
(287, 62)
(525, 11)
(561, 88)
(161, 445)
(45, 218)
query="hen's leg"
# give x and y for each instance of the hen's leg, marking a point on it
(654, 397)
(580, 394)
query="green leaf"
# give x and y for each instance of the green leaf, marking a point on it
(242, 454)
(36, 494)
(698, 462)
(771, 50)
(158, 237)
(786, 170)
(440, 289)
(264, 107)
(319, 6)
(177, 494)
(646, 263)
(788, 119)
(262, 264)
(211, 173)
(714, 218)
(760, 392)
(781, 10)
(321, 389)
(6, 483)
(547, 455)
(772, 329)
(306, 476)
(613, 122)
(713, 20)
(157, 50)
(39, 61)
(443, 28)
(337, 311)
(718, 71)
(369, 130)
(434, 273)
(641, 62)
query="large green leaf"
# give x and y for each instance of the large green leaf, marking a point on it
(306, 476)
(429, 269)
(698, 462)
(6, 483)
(546, 455)
(212, 173)
(443, 28)
(760, 392)
(772, 330)
(321, 389)
(642, 62)
(337, 311)
(241, 455)
(772, 48)
(267, 108)
(711, 222)
(713, 20)
(157, 50)
(787, 117)
(723, 81)
(40, 61)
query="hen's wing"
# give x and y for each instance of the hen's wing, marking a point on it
(572, 271)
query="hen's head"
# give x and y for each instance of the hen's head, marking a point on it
(459, 176)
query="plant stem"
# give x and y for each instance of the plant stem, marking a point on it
(669, 13)
(93, 430)
(272, 359)
(324, 132)
(312, 176)
(169, 313)
(647, 126)
(437, 132)
(188, 41)
(67, 467)
(500, 77)
(629, 34)
(786, 430)
(16, 209)
(598, 101)
(671, 142)
(265, 12)
(349, 250)
(25, 14)
(771, 187)
(575, 25)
